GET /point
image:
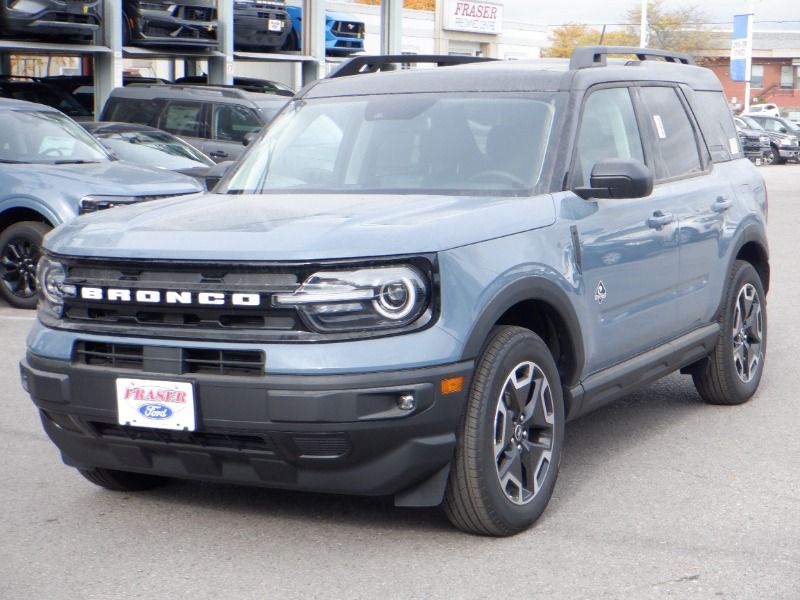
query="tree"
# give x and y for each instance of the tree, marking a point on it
(412, 4)
(567, 37)
(678, 29)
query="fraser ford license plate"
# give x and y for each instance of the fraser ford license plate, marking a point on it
(275, 25)
(155, 403)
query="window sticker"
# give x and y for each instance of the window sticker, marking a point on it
(662, 134)
(734, 144)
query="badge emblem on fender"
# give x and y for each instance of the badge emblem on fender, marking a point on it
(600, 293)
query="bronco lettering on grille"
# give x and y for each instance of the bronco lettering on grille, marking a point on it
(170, 297)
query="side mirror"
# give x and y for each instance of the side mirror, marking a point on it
(618, 178)
(217, 172)
(783, 130)
(249, 138)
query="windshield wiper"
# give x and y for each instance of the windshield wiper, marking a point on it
(75, 162)
(8, 161)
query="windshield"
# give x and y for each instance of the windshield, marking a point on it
(46, 138)
(421, 143)
(751, 123)
(154, 149)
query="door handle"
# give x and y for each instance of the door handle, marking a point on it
(722, 204)
(218, 154)
(659, 219)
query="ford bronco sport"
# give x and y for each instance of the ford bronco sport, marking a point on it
(410, 282)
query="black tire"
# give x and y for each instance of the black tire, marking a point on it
(479, 499)
(292, 43)
(122, 481)
(20, 248)
(772, 157)
(731, 373)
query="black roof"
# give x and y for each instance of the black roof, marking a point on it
(547, 75)
(221, 94)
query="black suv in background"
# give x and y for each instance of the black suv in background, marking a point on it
(75, 19)
(34, 90)
(161, 23)
(213, 119)
(260, 24)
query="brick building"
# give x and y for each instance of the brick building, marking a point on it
(776, 68)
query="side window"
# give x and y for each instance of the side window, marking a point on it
(183, 118)
(672, 133)
(231, 123)
(608, 129)
(717, 126)
(130, 110)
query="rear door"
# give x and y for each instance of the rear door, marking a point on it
(186, 119)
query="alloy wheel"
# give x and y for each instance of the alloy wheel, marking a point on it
(19, 259)
(747, 333)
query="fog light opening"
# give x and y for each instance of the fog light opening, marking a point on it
(406, 402)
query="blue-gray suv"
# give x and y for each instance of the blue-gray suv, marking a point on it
(410, 282)
(51, 171)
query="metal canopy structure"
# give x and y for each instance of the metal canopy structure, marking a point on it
(109, 53)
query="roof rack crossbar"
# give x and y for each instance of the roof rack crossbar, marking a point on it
(584, 57)
(360, 65)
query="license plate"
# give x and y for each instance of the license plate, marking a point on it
(155, 403)
(275, 25)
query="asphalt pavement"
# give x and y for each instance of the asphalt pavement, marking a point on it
(659, 496)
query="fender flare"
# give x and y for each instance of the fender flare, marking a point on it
(520, 290)
(47, 213)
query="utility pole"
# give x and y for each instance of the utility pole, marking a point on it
(643, 26)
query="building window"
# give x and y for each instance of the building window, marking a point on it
(787, 76)
(757, 76)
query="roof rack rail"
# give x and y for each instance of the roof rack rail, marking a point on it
(359, 65)
(584, 57)
(223, 90)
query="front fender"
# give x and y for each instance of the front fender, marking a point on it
(55, 213)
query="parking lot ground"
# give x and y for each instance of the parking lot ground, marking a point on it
(660, 496)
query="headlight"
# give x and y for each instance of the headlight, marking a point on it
(51, 276)
(789, 142)
(370, 298)
(94, 203)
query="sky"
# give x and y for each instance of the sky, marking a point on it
(594, 12)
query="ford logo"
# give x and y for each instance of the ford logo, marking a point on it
(155, 411)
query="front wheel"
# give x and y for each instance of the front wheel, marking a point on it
(732, 372)
(510, 441)
(20, 248)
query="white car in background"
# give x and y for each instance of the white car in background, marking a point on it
(764, 109)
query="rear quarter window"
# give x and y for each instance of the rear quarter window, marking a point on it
(716, 123)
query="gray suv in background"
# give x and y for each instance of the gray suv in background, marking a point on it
(411, 282)
(51, 171)
(214, 119)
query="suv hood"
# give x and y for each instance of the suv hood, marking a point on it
(115, 178)
(296, 227)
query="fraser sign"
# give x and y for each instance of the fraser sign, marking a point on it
(474, 17)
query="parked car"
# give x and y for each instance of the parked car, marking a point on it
(151, 147)
(783, 146)
(214, 119)
(763, 109)
(74, 20)
(168, 23)
(81, 87)
(777, 124)
(32, 90)
(388, 294)
(248, 84)
(260, 25)
(755, 142)
(344, 34)
(51, 170)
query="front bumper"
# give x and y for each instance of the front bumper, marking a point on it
(257, 28)
(336, 433)
(73, 18)
(792, 152)
(159, 28)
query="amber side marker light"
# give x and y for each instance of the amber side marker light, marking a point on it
(452, 385)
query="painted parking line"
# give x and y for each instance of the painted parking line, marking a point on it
(16, 318)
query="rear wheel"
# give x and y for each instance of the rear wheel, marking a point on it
(732, 372)
(20, 249)
(121, 481)
(509, 447)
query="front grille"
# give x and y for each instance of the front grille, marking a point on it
(197, 13)
(203, 439)
(187, 279)
(178, 361)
